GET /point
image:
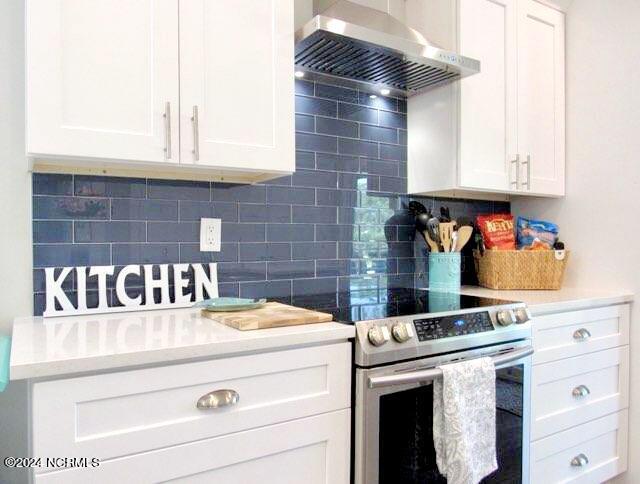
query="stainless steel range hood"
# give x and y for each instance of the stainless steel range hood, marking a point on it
(366, 45)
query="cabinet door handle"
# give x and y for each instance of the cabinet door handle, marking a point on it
(218, 399)
(580, 391)
(167, 130)
(196, 134)
(579, 460)
(516, 160)
(581, 334)
(528, 163)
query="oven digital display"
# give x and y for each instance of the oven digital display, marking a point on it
(447, 326)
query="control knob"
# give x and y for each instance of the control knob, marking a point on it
(522, 315)
(402, 332)
(378, 335)
(506, 317)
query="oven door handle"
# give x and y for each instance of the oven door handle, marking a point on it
(431, 374)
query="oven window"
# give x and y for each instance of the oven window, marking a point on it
(407, 455)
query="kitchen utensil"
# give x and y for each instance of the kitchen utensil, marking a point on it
(430, 242)
(227, 304)
(271, 315)
(454, 240)
(446, 231)
(421, 221)
(464, 234)
(445, 215)
(417, 208)
(433, 225)
(422, 227)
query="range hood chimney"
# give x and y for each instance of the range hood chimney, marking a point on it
(348, 40)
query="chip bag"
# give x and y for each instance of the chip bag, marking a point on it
(497, 231)
(536, 234)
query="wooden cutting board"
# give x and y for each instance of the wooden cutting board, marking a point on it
(271, 315)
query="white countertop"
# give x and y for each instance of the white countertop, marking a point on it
(565, 299)
(59, 346)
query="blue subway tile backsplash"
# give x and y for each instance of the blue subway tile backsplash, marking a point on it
(52, 184)
(50, 231)
(339, 222)
(98, 186)
(178, 190)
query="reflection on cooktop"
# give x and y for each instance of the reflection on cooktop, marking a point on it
(364, 305)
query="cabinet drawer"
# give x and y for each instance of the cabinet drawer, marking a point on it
(123, 413)
(557, 400)
(562, 335)
(313, 450)
(603, 442)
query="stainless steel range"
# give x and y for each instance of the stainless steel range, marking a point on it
(402, 336)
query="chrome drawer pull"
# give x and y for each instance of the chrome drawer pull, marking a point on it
(581, 334)
(167, 130)
(579, 460)
(528, 163)
(516, 160)
(196, 134)
(218, 399)
(580, 391)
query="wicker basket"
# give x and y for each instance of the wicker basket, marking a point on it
(521, 269)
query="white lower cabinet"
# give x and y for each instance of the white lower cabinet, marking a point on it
(600, 446)
(580, 395)
(313, 450)
(574, 390)
(290, 423)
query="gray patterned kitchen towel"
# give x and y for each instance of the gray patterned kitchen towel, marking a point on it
(464, 421)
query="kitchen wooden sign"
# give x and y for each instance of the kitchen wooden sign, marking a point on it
(163, 286)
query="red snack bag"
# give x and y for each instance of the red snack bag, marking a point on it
(497, 231)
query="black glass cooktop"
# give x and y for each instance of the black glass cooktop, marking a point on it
(364, 305)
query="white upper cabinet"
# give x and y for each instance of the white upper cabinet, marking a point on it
(488, 134)
(236, 83)
(499, 132)
(189, 87)
(100, 77)
(541, 100)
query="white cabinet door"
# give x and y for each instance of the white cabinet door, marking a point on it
(99, 78)
(236, 71)
(488, 129)
(575, 390)
(84, 416)
(603, 442)
(541, 99)
(312, 450)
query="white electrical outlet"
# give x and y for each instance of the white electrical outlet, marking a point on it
(210, 234)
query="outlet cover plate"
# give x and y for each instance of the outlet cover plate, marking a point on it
(210, 234)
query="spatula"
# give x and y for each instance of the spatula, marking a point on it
(430, 242)
(446, 231)
(434, 230)
(464, 234)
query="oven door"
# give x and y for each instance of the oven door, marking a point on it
(394, 418)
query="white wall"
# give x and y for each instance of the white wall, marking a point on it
(598, 217)
(15, 224)
(15, 182)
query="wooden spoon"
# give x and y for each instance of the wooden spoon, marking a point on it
(464, 234)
